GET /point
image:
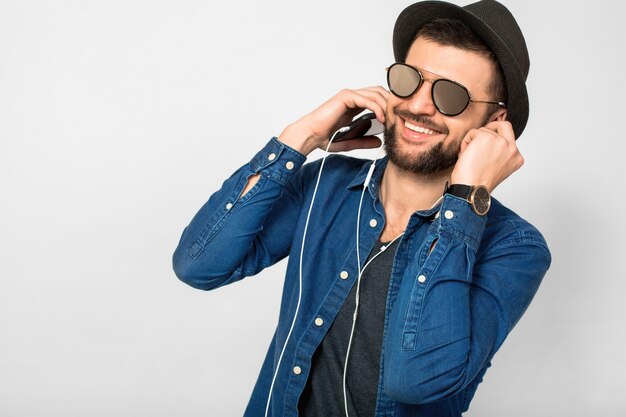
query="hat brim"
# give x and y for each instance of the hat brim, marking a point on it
(415, 16)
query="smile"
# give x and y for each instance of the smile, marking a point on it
(419, 129)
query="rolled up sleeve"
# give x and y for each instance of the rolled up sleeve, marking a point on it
(453, 312)
(231, 236)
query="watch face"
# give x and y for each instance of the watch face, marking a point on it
(481, 200)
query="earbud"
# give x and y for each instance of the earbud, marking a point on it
(373, 166)
(369, 175)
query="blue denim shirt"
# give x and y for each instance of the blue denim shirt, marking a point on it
(447, 312)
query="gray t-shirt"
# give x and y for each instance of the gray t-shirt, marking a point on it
(323, 394)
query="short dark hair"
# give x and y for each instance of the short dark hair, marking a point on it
(453, 32)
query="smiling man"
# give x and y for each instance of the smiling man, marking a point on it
(412, 275)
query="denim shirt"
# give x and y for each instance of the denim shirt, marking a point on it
(459, 283)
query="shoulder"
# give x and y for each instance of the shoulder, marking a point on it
(338, 169)
(337, 163)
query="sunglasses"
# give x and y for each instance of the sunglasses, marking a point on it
(449, 97)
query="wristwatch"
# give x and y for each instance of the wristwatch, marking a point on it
(476, 195)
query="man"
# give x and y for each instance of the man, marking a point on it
(449, 272)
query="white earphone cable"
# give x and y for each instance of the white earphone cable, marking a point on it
(295, 317)
(358, 285)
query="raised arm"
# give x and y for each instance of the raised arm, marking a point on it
(235, 235)
(454, 311)
(248, 224)
(457, 305)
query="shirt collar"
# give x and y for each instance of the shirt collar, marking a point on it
(359, 178)
(374, 185)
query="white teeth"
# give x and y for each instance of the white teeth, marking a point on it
(419, 129)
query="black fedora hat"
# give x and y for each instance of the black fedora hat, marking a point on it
(495, 25)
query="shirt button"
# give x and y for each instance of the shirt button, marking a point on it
(289, 165)
(421, 279)
(229, 206)
(297, 370)
(373, 223)
(449, 214)
(271, 156)
(319, 321)
(437, 215)
(344, 275)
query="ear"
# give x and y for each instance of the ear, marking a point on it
(498, 115)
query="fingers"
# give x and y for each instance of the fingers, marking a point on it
(488, 155)
(503, 131)
(379, 90)
(502, 138)
(502, 128)
(371, 98)
(316, 127)
(492, 129)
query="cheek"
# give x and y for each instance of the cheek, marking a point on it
(454, 147)
(473, 118)
(458, 127)
(390, 116)
(392, 104)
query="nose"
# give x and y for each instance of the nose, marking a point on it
(421, 102)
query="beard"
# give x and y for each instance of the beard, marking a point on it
(435, 160)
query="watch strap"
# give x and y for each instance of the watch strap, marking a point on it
(460, 190)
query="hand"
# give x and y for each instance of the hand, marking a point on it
(313, 130)
(488, 156)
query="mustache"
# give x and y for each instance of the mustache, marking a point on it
(421, 120)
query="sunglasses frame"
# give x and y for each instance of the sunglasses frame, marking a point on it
(432, 90)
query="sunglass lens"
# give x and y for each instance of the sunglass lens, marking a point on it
(450, 98)
(403, 80)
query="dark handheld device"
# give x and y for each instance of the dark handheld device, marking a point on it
(364, 125)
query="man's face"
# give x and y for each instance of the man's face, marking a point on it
(418, 138)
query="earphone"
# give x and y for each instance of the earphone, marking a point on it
(341, 130)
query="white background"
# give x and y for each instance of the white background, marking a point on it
(118, 119)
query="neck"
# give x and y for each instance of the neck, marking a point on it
(411, 191)
(402, 193)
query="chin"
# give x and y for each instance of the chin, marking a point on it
(425, 160)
